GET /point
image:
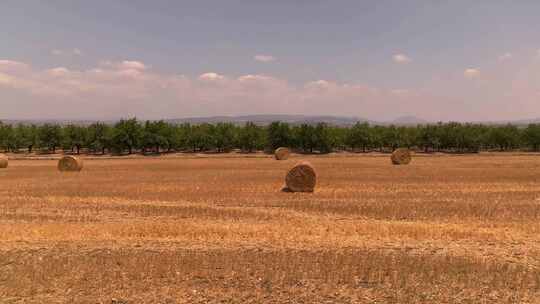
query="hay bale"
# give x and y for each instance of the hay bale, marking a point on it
(401, 156)
(282, 153)
(70, 164)
(301, 178)
(3, 161)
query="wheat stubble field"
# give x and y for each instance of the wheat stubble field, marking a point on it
(444, 229)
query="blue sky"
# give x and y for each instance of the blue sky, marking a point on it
(439, 60)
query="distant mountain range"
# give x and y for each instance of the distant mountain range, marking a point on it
(408, 120)
(267, 119)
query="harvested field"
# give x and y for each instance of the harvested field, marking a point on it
(446, 229)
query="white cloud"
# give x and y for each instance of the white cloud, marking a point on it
(130, 73)
(211, 76)
(60, 71)
(400, 92)
(11, 65)
(136, 65)
(6, 80)
(318, 84)
(264, 58)
(471, 73)
(114, 89)
(67, 52)
(253, 78)
(505, 56)
(401, 58)
(125, 67)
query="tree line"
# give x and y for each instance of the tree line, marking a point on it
(129, 136)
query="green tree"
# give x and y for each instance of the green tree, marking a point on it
(250, 137)
(278, 135)
(337, 137)
(8, 138)
(156, 134)
(28, 135)
(304, 138)
(224, 137)
(359, 136)
(428, 137)
(74, 137)
(127, 135)
(390, 137)
(323, 138)
(531, 136)
(50, 136)
(200, 137)
(99, 137)
(407, 136)
(376, 136)
(181, 137)
(504, 137)
(3, 135)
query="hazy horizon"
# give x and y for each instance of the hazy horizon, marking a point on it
(339, 119)
(101, 60)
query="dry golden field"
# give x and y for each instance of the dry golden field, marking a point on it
(444, 229)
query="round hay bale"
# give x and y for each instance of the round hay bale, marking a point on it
(3, 161)
(70, 164)
(282, 153)
(401, 156)
(301, 178)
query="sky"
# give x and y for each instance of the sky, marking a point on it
(457, 60)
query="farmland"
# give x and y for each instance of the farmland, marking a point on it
(444, 229)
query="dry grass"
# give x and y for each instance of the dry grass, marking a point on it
(301, 178)
(282, 153)
(220, 231)
(401, 156)
(70, 164)
(3, 161)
